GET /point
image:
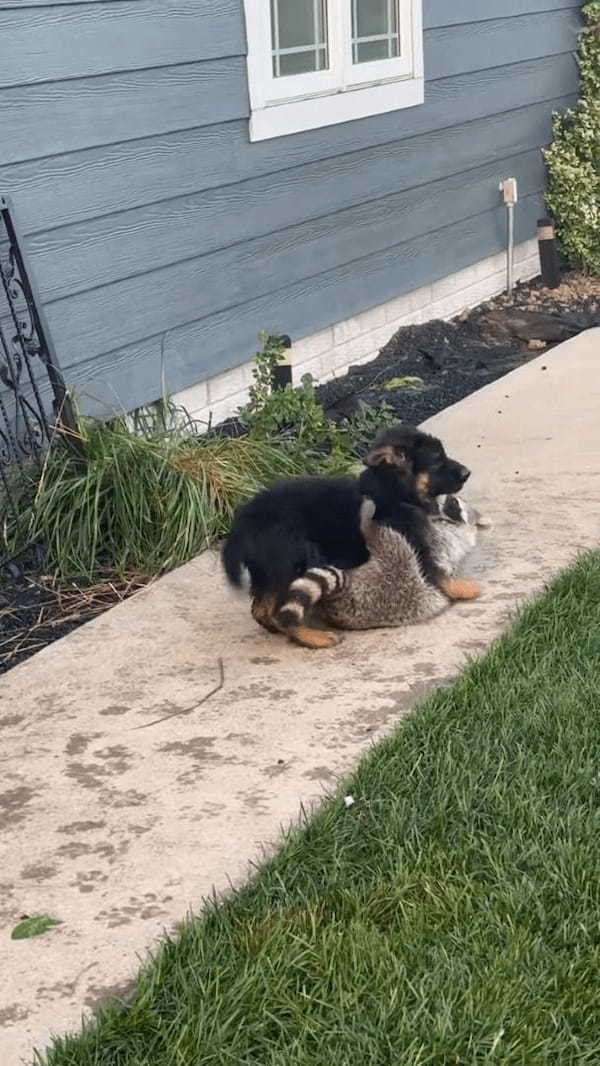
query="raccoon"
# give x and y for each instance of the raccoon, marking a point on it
(389, 589)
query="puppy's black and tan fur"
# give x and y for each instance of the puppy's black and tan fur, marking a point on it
(315, 522)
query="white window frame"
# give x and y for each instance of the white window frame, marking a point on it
(344, 91)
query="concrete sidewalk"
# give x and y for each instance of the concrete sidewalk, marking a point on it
(117, 825)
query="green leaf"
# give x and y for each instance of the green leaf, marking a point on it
(34, 926)
(403, 383)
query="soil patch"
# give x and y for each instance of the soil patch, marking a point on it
(36, 609)
(425, 368)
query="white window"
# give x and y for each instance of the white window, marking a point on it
(312, 63)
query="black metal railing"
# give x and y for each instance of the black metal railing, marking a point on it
(35, 407)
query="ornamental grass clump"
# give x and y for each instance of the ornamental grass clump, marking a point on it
(143, 503)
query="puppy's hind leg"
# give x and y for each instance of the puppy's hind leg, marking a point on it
(316, 639)
(263, 612)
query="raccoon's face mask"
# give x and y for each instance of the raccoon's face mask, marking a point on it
(459, 512)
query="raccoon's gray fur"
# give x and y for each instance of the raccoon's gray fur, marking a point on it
(389, 589)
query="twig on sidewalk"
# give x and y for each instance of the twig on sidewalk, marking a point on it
(188, 710)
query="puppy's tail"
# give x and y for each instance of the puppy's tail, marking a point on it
(232, 557)
(305, 593)
(266, 563)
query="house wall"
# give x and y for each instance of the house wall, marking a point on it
(330, 352)
(163, 241)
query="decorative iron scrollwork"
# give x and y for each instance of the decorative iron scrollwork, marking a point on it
(34, 403)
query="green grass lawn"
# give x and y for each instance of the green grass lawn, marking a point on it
(451, 916)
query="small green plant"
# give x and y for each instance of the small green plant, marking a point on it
(573, 159)
(298, 420)
(292, 414)
(362, 428)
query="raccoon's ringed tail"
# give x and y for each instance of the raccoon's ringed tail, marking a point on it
(305, 592)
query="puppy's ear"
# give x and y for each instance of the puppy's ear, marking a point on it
(387, 455)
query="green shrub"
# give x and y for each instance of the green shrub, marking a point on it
(573, 160)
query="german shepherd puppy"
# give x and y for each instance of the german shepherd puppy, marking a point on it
(315, 522)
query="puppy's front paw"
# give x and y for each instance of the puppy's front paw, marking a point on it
(314, 638)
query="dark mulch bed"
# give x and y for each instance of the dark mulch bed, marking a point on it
(451, 359)
(37, 609)
(454, 359)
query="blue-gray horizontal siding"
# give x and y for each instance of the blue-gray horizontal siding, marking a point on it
(163, 241)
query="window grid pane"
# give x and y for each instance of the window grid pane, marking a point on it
(375, 30)
(293, 21)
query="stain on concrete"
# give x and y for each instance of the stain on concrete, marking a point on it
(247, 692)
(145, 908)
(14, 1012)
(138, 830)
(108, 851)
(474, 645)
(80, 827)
(247, 739)
(152, 911)
(104, 850)
(257, 800)
(131, 797)
(424, 669)
(79, 742)
(38, 872)
(119, 757)
(88, 880)
(10, 720)
(13, 805)
(114, 709)
(276, 768)
(115, 760)
(320, 773)
(199, 748)
(210, 810)
(264, 660)
(74, 850)
(88, 775)
(59, 990)
(99, 996)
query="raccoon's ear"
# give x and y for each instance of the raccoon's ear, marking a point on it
(387, 455)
